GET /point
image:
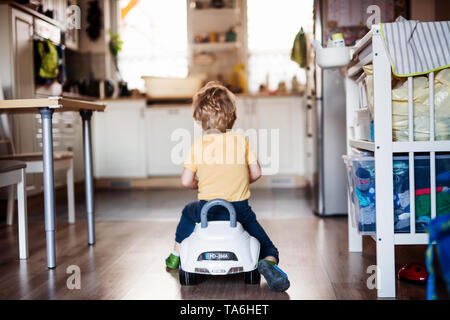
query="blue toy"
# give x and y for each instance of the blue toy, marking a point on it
(365, 193)
(439, 232)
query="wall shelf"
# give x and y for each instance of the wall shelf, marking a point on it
(363, 145)
(202, 22)
(223, 11)
(403, 147)
(215, 46)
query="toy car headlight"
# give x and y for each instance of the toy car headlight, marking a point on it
(217, 256)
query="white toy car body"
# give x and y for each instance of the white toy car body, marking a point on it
(219, 248)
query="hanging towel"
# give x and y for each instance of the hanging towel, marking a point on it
(49, 59)
(298, 53)
(417, 47)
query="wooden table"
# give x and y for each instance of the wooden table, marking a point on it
(46, 107)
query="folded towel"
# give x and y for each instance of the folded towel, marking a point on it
(417, 47)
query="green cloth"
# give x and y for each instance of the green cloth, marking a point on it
(49, 60)
(298, 53)
(423, 204)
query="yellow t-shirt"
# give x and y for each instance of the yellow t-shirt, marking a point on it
(221, 162)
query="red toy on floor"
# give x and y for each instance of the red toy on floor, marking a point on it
(413, 272)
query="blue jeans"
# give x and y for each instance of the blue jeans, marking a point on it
(244, 214)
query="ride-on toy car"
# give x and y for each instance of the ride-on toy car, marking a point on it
(219, 248)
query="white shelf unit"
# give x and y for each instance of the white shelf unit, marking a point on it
(384, 148)
(225, 55)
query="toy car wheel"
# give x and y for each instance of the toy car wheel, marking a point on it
(252, 277)
(186, 278)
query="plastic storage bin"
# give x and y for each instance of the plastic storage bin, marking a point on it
(350, 190)
(362, 191)
(363, 180)
(422, 188)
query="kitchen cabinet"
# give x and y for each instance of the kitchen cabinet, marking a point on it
(18, 82)
(167, 129)
(22, 36)
(17, 78)
(280, 123)
(245, 113)
(284, 120)
(58, 8)
(22, 75)
(119, 140)
(132, 140)
(22, 72)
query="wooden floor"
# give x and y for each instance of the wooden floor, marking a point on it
(127, 262)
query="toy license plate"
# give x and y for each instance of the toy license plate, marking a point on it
(218, 256)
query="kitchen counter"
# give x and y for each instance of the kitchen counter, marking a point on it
(188, 102)
(268, 95)
(132, 98)
(130, 152)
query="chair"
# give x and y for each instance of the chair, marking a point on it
(12, 173)
(62, 160)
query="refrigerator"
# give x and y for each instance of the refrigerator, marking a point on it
(326, 133)
(326, 127)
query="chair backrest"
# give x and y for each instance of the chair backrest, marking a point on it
(6, 138)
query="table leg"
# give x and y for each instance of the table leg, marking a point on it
(49, 188)
(88, 174)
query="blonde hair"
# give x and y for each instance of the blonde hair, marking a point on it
(215, 107)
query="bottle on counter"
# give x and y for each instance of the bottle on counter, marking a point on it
(295, 85)
(337, 40)
(282, 87)
(231, 35)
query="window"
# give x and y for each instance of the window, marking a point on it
(154, 38)
(272, 27)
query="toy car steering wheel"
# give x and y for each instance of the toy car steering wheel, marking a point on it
(217, 202)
